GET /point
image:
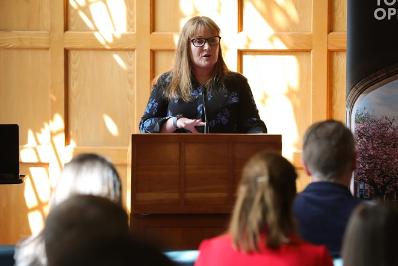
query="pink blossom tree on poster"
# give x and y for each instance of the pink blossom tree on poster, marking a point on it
(377, 163)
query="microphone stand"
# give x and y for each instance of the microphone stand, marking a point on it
(204, 96)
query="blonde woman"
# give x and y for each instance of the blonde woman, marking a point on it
(200, 94)
(86, 174)
(262, 228)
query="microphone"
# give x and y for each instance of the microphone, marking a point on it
(206, 129)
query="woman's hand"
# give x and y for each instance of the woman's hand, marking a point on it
(190, 124)
(182, 122)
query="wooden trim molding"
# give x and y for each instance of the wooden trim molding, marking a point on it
(94, 40)
(337, 41)
(25, 39)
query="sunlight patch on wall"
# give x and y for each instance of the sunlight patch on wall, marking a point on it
(118, 13)
(44, 154)
(110, 125)
(69, 151)
(289, 7)
(272, 78)
(119, 61)
(29, 194)
(108, 17)
(36, 221)
(86, 20)
(255, 22)
(40, 180)
(220, 12)
(102, 20)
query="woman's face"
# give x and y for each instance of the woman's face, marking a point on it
(204, 50)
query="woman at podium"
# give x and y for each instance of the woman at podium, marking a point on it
(200, 94)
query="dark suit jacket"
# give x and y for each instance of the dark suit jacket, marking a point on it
(322, 211)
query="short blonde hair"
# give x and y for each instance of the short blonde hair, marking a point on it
(180, 85)
(265, 197)
(88, 174)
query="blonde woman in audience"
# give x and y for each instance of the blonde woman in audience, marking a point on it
(262, 228)
(85, 174)
(371, 235)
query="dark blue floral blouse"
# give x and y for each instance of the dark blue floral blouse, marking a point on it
(230, 108)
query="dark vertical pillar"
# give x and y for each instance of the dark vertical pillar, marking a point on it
(372, 38)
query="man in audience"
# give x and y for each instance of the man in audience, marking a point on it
(90, 230)
(325, 205)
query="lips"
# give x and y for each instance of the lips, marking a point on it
(206, 55)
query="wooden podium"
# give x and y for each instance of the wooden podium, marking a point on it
(184, 185)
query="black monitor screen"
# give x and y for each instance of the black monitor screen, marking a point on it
(9, 149)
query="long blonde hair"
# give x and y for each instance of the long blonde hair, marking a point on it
(265, 197)
(180, 85)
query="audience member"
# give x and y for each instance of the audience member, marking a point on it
(371, 235)
(262, 228)
(325, 205)
(88, 230)
(85, 174)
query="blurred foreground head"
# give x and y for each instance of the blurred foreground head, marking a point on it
(371, 235)
(88, 174)
(90, 230)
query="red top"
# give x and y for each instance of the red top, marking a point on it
(219, 251)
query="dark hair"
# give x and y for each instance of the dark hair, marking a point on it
(265, 197)
(371, 235)
(89, 230)
(328, 149)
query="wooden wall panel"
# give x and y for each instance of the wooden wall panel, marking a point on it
(281, 85)
(100, 97)
(338, 20)
(14, 224)
(24, 15)
(224, 13)
(24, 206)
(114, 49)
(166, 23)
(163, 61)
(338, 85)
(25, 91)
(108, 17)
(264, 17)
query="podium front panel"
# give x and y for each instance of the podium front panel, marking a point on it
(185, 183)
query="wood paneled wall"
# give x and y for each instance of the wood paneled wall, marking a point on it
(76, 76)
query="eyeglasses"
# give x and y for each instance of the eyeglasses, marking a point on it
(200, 42)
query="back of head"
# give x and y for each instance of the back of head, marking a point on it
(88, 174)
(82, 225)
(329, 150)
(371, 235)
(265, 196)
(89, 230)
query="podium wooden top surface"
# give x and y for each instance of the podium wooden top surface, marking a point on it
(191, 173)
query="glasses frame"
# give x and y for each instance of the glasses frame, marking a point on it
(206, 40)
